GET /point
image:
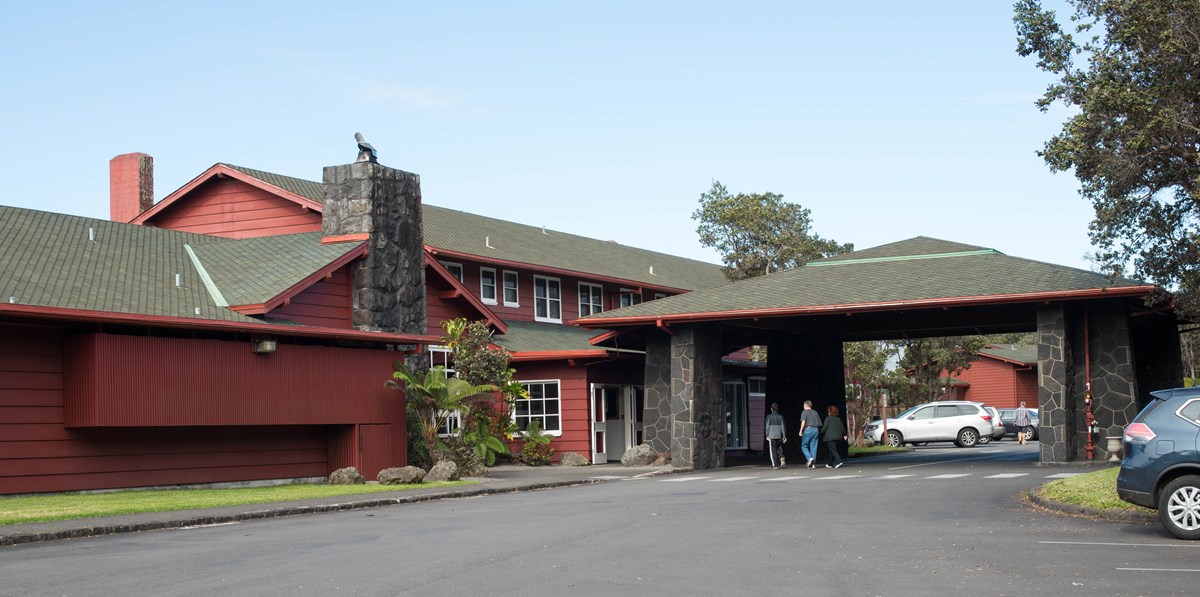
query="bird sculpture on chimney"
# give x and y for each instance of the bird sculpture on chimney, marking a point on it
(366, 153)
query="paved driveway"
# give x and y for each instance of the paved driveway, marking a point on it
(935, 521)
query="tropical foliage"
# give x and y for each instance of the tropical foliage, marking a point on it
(432, 397)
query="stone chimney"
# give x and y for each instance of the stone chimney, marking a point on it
(382, 205)
(130, 186)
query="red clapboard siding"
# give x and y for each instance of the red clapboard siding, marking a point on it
(30, 397)
(228, 207)
(328, 303)
(127, 381)
(993, 382)
(574, 403)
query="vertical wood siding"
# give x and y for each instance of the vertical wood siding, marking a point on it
(231, 208)
(1000, 384)
(39, 453)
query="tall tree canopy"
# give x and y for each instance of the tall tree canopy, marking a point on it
(758, 234)
(1132, 68)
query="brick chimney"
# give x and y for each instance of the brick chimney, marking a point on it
(382, 205)
(131, 186)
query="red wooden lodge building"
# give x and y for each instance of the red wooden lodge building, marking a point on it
(242, 328)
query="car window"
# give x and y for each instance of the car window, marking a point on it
(1191, 411)
(967, 409)
(948, 410)
(924, 413)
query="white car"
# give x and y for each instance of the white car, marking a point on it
(956, 421)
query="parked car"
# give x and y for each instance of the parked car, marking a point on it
(997, 428)
(1161, 465)
(955, 421)
(1007, 415)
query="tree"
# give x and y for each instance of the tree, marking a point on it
(432, 397)
(867, 376)
(926, 359)
(759, 233)
(478, 361)
(1132, 69)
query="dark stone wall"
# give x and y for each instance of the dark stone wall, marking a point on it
(1056, 379)
(1156, 352)
(656, 415)
(697, 404)
(1113, 377)
(385, 203)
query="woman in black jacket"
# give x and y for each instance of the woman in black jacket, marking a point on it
(832, 433)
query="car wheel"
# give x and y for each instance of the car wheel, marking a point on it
(983, 439)
(1179, 507)
(894, 438)
(967, 438)
(1028, 433)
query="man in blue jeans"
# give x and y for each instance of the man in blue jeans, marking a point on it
(810, 424)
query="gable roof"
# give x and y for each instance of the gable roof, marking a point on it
(919, 272)
(528, 340)
(458, 234)
(1017, 354)
(74, 268)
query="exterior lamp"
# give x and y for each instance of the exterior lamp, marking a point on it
(264, 346)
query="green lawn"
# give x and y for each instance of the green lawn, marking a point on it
(83, 505)
(1097, 489)
(875, 450)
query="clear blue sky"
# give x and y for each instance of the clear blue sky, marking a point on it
(887, 120)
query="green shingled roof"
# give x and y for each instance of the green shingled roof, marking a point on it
(254, 270)
(525, 336)
(1020, 353)
(919, 269)
(62, 261)
(500, 240)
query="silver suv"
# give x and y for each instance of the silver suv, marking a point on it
(955, 421)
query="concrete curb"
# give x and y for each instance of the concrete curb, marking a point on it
(1076, 510)
(201, 520)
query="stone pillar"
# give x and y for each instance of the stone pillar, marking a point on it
(1056, 379)
(130, 186)
(697, 405)
(656, 416)
(369, 201)
(1114, 383)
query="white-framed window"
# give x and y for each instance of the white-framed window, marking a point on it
(757, 386)
(543, 404)
(441, 356)
(511, 296)
(487, 285)
(630, 298)
(456, 269)
(591, 299)
(547, 299)
(659, 295)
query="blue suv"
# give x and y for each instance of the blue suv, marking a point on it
(1161, 467)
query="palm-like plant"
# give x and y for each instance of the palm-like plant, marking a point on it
(432, 397)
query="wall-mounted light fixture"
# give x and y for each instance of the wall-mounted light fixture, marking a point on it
(264, 346)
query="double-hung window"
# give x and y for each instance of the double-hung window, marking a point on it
(441, 356)
(543, 405)
(630, 298)
(591, 299)
(511, 297)
(487, 285)
(547, 300)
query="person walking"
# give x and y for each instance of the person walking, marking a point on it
(833, 432)
(810, 425)
(1022, 421)
(776, 436)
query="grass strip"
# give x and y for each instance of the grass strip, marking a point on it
(66, 506)
(876, 450)
(1097, 489)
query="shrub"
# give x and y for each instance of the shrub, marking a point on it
(537, 450)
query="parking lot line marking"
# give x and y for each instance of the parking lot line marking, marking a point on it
(1006, 476)
(1158, 569)
(997, 451)
(1062, 475)
(837, 477)
(936, 462)
(682, 479)
(782, 479)
(950, 476)
(729, 479)
(1193, 546)
(608, 477)
(892, 476)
